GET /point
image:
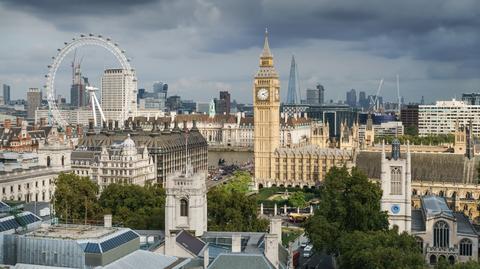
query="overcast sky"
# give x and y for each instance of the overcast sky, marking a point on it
(200, 47)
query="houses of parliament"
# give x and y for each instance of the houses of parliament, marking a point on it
(449, 172)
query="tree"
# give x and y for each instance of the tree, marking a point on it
(349, 202)
(379, 249)
(231, 209)
(240, 182)
(411, 130)
(297, 199)
(75, 198)
(135, 206)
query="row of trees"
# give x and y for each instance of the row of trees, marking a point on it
(76, 200)
(419, 140)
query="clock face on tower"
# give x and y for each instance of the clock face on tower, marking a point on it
(395, 209)
(262, 94)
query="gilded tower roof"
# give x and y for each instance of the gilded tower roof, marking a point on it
(267, 70)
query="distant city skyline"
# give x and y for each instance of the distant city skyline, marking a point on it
(202, 47)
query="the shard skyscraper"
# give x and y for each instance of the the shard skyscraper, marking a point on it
(293, 84)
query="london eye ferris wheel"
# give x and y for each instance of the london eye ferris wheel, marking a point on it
(85, 40)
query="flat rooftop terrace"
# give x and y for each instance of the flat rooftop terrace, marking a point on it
(73, 232)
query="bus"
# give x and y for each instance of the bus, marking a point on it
(297, 217)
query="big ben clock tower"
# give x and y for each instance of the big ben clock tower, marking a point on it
(266, 103)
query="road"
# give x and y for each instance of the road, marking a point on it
(213, 183)
(316, 261)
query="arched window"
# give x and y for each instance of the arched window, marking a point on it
(183, 208)
(48, 161)
(63, 160)
(396, 183)
(440, 194)
(414, 192)
(441, 234)
(466, 247)
(419, 243)
(468, 195)
(433, 259)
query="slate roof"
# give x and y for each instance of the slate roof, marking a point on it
(464, 226)
(190, 242)
(439, 167)
(152, 139)
(418, 221)
(435, 206)
(240, 261)
(146, 260)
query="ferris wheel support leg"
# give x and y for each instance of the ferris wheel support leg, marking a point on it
(93, 109)
(99, 108)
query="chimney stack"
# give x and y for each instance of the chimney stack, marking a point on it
(107, 221)
(7, 124)
(271, 249)
(236, 243)
(43, 122)
(68, 131)
(276, 227)
(19, 122)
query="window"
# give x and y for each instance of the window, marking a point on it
(419, 243)
(441, 234)
(396, 180)
(183, 208)
(466, 247)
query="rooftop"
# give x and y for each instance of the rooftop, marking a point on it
(434, 205)
(75, 232)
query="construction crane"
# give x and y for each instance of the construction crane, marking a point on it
(374, 106)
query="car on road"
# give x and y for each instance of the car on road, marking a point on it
(308, 251)
(304, 244)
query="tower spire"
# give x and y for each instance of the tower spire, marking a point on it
(266, 48)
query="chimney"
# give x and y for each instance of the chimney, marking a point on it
(43, 122)
(79, 131)
(236, 243)
(7, 124)
(239, 117)
(170, 243)
(19, 122)
(68, 131)
(206, 257)
(166, 127)
(276, 227)
(90, 125)
(107, 221)
(271, 249)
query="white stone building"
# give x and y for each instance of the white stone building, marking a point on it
(22, 178)
(441, 117)
(121, 163)
(119, 94)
